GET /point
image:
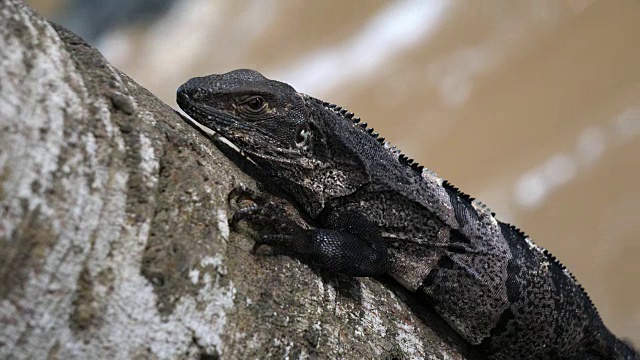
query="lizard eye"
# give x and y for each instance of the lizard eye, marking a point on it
(255, 104)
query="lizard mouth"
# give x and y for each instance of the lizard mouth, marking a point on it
(249, 138)
(243, 136)
(209, 117)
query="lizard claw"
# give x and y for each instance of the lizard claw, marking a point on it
(269, 213)
(242, 214)
(267, 216)
(262, 211)
(242, 193)
(272, 240)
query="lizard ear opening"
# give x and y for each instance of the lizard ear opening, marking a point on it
(303, 139)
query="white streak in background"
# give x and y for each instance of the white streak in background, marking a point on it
(454, 74)
(627, 124)
(173, 43)
(536, 184)
(394, 30)
(591, 144)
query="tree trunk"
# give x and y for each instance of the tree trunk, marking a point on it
(114, 236)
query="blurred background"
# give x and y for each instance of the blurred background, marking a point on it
(531, 106)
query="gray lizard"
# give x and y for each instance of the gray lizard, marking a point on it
(376, 211)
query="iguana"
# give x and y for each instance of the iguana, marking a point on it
(376, 211)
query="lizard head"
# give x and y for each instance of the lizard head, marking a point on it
(279, 129)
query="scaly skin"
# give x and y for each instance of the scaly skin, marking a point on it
(379, 212)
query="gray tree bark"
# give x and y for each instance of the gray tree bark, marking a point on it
(114, 237)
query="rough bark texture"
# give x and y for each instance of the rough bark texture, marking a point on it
(114, 237)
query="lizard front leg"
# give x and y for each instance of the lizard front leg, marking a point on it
(348, 243)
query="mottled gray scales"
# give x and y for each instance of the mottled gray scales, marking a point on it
(373, 211)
